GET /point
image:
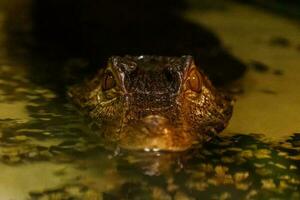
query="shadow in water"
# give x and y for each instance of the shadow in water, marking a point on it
(73, 39)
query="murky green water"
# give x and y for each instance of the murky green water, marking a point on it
(45, 152)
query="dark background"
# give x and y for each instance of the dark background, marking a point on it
(65, 41)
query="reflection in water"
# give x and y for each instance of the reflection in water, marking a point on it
(232, 167)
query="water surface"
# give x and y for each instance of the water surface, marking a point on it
(45, 152)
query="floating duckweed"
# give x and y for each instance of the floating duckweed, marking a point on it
(264, 171)
(280, 166)
(240, 176)
(251, 194)
(235, 149)
(294, 181)
(268, 184)
(262, 154)
(28, 130)
(293, 167)
(182, 196)
(46, 154)
(45, 119)
(32, 154)
(73, 190)
(19, 89)
(221, 170)
(242, 186)
(223, 196)
(285, 177)
(297, 157)
(20, 138)
(259, 165)
(252, 147)
(221, 177)
(283, 154)
(159, 193)
(93, 195)
(283, 185)
(197, 185)
(286, 145)
(206, 168)
(46, 133)
(67, 192)
(198, 175)
(49, 95)
(246, 154)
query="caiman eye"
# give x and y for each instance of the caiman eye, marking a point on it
(194, 81)
(108, 81)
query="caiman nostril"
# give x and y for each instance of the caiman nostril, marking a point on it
(168, 75)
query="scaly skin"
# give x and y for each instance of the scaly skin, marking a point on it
(152, 105)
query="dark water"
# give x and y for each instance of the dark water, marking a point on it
(46, 153)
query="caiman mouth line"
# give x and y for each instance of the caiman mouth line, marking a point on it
(162, 103)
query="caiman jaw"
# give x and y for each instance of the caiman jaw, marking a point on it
(156, 133)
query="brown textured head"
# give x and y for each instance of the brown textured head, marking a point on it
(153, 102)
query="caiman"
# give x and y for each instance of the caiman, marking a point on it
(153, 103)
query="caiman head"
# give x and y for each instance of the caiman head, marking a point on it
(153, 103)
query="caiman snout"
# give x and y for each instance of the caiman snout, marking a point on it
(156, 124)
(155, 132)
